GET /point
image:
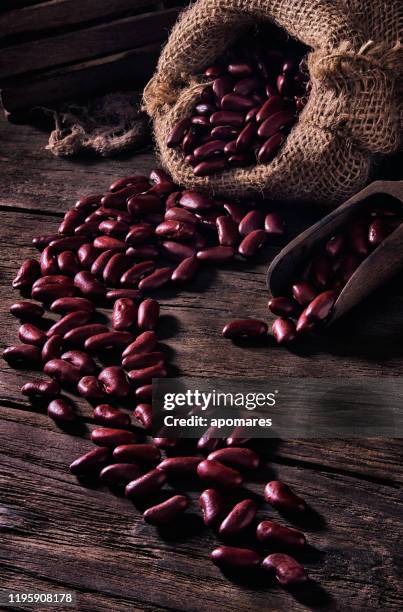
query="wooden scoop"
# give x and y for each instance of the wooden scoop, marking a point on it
(379, 267)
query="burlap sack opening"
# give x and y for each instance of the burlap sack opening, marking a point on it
(354, 110)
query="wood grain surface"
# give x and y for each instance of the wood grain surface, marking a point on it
(59, 535)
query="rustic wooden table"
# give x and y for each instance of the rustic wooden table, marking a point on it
(58, 535)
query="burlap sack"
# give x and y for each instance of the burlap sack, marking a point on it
(355, 106)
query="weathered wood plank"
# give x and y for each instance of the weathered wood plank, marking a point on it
(353, 535)
(80, 45)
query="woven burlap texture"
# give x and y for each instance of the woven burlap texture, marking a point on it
(354, 110)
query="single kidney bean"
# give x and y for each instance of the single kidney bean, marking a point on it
(113, 381)
(70, 321)
(68, 263)
(212, 504)
(275, 122)
(82, 361)
(87, 202)
(240, 517)
(146, 485)
(180, 466)
(335, 245)
(107, 243)
(136, 272)
(186, 270)
(236, 211)
(139, 234)
(232, 118)
(208, 442)
(320, 308)
(40, 242)
(252, 243)
(176, 230)
(283, 306)
(30, 334)
(104, 414)
(116, 266)
(48, 262)
(205, 168)
(218, 474)
(269, 532)
(227, 231)
(253, 220)
(112, 227)
(158, 175)
(90, 388)
(87, 254)
(91, 463)
(195, 201)
(66, 305)
(208, 150)
(108, 340)
(176, 251)
(166, 443)
(52, 291)
(247, 86)
(22, 355)
(218, 254)
(245, 138)
(144, 251)
(100, 262)
(233, 557)
(62, 411)
(63, 371)
(271, 106)
(142, 360)
(126, 181)
(111, 437)
(270, 148)
(303, 325)
(303, 293)
(222, 86)
(42, 389)
(236, 102)
(167, 511)
(116, 294)
(274, 224)
(52, 349)
(144, 203)
(156, 280)
(144, 393)
(144, 413)
(245, 328)
(52, 279)
(27, 311)
(118, 199)
(124, 314)
(88, 229)
(180, 214)
(144, 343)
(71, 219)
(79, 335)
(148, 314)
(178, 132)
(68, 243)
(119, 474)
(282, 497)
(240, 458)
(143, 453)
(288, 571)
(144, 376)
(89, 285)
(284, 330)
(29, 271)
(224, 132)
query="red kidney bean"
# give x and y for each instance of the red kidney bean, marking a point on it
(143, 453)
(70, 321)
(139, 234)
(27, 311)
(246, 137)
(379, 230)
(208, 150)
(144, 343)
(108, 340)
(227, 231)
(68, 263)
(81, 360)
(282, 497)
(91, 463)
(22, 355)
(166, 443)
(240, 69)
(73, 304)
(252, 221)
(87, 202)
(42, 389)
(167, 511)
(274, 224)
(99, 264)
(87, 254)
(118, 199)
(156, 280)
(212, 504)
(206, 168)
(303, 293)
(67, 243)
(240, 458)
(79, 335)
(246, 86)
(252, 243)
(113, 381)
(218, 254)
(271, 106)
(148, 314)
(142, 360)
(144, 393)
(236, 211)
(62, 411)
(273, 534)
(119, 474)
(111, 437)
(240, 517)
(320, 308)
(236, 558)
(284, 330)
(335, 245)
(29, 271)
(303, 325)
(124, 314)
(30, 334)
(275, 122)
(178, 132)
(48, 262)
(186, 270)
(283, 306)
(195, 201)
(208, 442)
(144, 376)
(126, 181)
(143, 412)
(226, 117)
(116, 294)
(40, 242)
(63, 371)
(107, 415)
(180, 466)
(89, 285)
(112, 227)
(52, 279)
(245, 328)
(222, 86)
(144, 203)
(176, 251)
(90, 388)
(52, 349)
(116, 266)
(88, 229)
(146, 485)
(134, 274)
(270, 147)
(180, 214)
(218, 474)
(176, 230)
(224, 132)
(288, 571)
(107, 243)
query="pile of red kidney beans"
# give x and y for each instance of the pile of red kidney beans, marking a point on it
(112, 249)
(244, 113)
